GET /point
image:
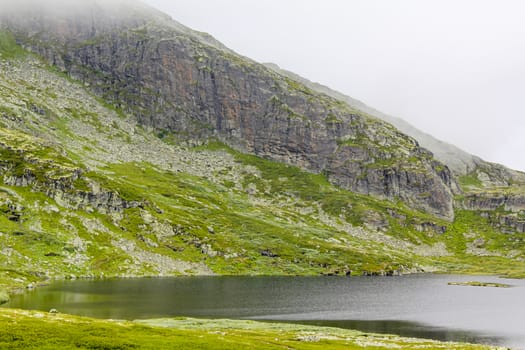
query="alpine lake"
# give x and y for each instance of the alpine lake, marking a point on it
(441, 307)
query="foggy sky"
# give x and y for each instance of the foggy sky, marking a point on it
(455, 69)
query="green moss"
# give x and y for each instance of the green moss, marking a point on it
(90, 42)
(9, 49)
(331, 118)
(470, 181)
(26, 156)
(294, 85)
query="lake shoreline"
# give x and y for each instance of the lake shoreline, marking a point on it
(233, 297)
(64, 330)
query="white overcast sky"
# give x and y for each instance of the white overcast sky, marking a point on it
(453, 68)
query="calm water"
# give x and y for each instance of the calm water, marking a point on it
(418, 305)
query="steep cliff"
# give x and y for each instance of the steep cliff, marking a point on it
(496, 194)
(183, 82)
(493, 191)
(490, 190)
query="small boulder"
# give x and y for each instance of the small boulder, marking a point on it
(4, 297)
(269, 253)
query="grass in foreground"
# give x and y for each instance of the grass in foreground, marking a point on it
(37, 330)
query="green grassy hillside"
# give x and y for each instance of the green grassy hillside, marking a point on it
(87, 192)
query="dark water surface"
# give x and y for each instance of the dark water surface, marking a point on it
(418, 305)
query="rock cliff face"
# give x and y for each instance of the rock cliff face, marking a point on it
(183, 82)
(458, 161)
(58, 182)
(505, 211)
(489, 202)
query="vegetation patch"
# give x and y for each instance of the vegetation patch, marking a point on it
(480, 284)
(470, 181)
(9, 49)
(40, 330)
(4, 297)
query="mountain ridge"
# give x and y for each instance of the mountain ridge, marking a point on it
(460, 162)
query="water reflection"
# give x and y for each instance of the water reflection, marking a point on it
(408, 329)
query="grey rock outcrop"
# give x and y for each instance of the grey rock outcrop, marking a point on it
(489, 202)
(504, 211)
(63, 191)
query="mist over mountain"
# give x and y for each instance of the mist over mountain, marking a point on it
(450, 69)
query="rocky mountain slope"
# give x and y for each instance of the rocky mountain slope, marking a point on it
(131, 145)
(171, 80)
(493, 190)
(459, 162)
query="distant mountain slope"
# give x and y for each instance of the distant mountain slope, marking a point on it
(486, 186)
(460, 162)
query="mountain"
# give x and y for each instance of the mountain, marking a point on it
(132, 145)
(459, 162)
(481, 182)
(170, 80)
